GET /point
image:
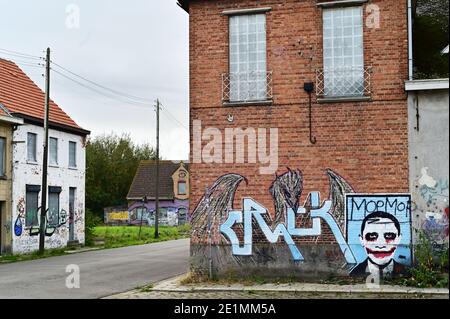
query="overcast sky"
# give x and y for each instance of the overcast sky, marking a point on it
(139, 47)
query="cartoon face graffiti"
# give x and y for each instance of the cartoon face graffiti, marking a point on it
(380, 236)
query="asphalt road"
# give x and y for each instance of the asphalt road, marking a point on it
(102, 272)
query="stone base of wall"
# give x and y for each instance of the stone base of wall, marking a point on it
(271, 261)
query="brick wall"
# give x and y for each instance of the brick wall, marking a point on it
(365, 142)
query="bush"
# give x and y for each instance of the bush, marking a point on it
(91, 221)
(430, 266)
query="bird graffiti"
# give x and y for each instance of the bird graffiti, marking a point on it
(286, 190)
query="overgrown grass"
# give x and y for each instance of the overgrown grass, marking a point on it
(123, 236)
(431, 267)
(33, 256)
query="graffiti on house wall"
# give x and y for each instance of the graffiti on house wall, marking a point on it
(215, 211)
(57, 220)
(168, 216)
(118, 216)
(432, 204)
(18, 224)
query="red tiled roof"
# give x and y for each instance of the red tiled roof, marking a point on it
(19, 94)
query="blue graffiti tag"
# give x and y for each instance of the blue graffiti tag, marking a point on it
(253, 209)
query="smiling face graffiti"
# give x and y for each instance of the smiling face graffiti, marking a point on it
(380, 236)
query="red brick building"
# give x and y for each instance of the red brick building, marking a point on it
(249, 63)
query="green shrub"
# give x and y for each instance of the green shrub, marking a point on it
(430, 265)
(91, 221)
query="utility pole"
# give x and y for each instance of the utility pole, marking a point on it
(45, 160)
(157, 172)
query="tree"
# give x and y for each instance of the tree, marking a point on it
(430, 37)
(111, 163)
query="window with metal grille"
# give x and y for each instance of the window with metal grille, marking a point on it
(343, 54)
(248, 65)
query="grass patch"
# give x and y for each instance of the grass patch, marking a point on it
(123, 236)
(148, 288)
(33, 255)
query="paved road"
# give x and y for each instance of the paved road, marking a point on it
(102, 273)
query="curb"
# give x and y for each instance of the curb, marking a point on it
(391, 290)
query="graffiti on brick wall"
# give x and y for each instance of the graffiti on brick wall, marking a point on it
(216, 208)
(379, 232)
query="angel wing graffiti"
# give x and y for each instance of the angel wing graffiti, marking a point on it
(216, 208)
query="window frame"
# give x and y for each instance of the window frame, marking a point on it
(34, 159)
(75, 164)
(249, 84)
(185, 188)
(53, 139)
(52, 190)
(339, 75)
(3, 152)
(32, 189)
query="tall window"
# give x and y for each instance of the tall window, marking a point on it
(72, 154)
(32, 147)
(248, 67)
(53, 146)
(32, 205)
(182, 188)
(343, 51)
(2, 156)
(53, 205)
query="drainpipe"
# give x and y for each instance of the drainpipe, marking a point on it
(410, 41)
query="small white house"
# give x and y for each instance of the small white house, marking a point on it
(66, 172)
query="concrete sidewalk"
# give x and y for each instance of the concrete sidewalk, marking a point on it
(173, 289)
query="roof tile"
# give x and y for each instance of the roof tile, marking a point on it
(19, 94)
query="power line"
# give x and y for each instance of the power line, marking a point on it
(20, 54)
(98, 91)
(115, 92)
(167, 113)
(125, 95)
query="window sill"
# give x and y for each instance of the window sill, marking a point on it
(3, 178)
(73, 168)
(249, 103)
(53, 165)
(344, 99)
(342, 3)
(32, 163)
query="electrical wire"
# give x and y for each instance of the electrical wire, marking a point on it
(98, 91)
(113, 94)
(170, 115)
(20, 54)
(125, 95)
